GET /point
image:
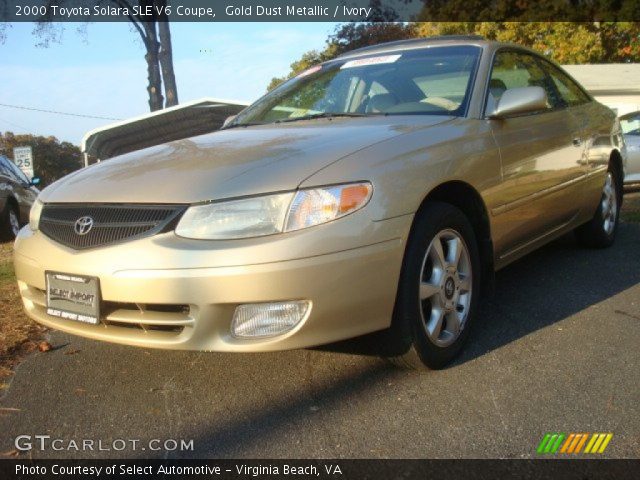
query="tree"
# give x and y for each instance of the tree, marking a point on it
(564, 42)
(156, 37)
(52, 159)
(166, 58)
(155, 33)
(307, 60)
(345, 38)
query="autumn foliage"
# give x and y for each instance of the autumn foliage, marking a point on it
(53, 159)
(564, 42)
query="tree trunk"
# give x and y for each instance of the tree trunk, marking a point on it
(166, 57)
(153, 67)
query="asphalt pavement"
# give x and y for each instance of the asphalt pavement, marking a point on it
(556, 350)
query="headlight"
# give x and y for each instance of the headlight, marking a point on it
(34, 215)
(269, 214)
(248, 217)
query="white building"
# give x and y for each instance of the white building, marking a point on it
(616, 85)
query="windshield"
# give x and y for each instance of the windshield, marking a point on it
(630, 124)
(428, 81)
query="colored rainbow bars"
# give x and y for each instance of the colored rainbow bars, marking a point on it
(573, 443)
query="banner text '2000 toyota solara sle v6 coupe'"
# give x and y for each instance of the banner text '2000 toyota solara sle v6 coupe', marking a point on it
(376, 192)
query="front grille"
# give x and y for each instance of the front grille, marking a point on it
(111, 223)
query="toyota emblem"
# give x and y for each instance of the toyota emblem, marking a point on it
(83, 225)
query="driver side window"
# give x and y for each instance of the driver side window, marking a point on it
(515, 70)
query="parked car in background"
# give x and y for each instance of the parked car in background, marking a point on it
(17, 194)
(378, 191)
(630, 124)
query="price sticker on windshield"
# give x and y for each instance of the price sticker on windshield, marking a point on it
(370, 61)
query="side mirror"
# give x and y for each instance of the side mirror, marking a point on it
(228, 120)
(516, 101)
(35, 181)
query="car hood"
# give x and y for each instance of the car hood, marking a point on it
(229, 163)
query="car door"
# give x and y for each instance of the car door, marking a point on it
(540, 162)
(20, 188)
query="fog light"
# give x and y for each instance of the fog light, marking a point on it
(268, 319)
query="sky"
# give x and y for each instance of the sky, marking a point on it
(103, 72)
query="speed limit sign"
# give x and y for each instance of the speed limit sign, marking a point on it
(23, 158)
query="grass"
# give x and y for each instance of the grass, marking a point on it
(18, 334)
(6, 273)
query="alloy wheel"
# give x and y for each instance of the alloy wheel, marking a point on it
(445, 287)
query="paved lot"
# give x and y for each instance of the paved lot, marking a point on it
(557, 350)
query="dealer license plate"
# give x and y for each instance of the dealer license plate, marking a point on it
(73, 297)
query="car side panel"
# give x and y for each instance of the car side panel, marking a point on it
(601, 136)
(541, 168)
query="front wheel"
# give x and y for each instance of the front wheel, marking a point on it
(9, 223)
(438, 290)
(600, 231)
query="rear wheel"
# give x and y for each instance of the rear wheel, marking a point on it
(10, 222)
(600, 231)
(438, 290)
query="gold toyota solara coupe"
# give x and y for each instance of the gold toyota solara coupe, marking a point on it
(376, 192)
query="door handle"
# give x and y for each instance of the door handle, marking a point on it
(577, 142)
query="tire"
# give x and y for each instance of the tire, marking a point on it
(600, 231)
(436, 288)
(9, 222)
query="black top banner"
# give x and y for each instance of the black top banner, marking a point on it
(319, 10)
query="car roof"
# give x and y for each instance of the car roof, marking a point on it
(415, 43)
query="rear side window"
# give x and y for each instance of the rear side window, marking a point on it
(570, 92)
(630, 124)
(515, 70)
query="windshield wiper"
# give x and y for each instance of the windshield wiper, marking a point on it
(313, 116)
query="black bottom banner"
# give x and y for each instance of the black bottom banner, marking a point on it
(323, 469)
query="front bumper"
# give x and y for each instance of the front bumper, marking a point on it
(167, 292)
